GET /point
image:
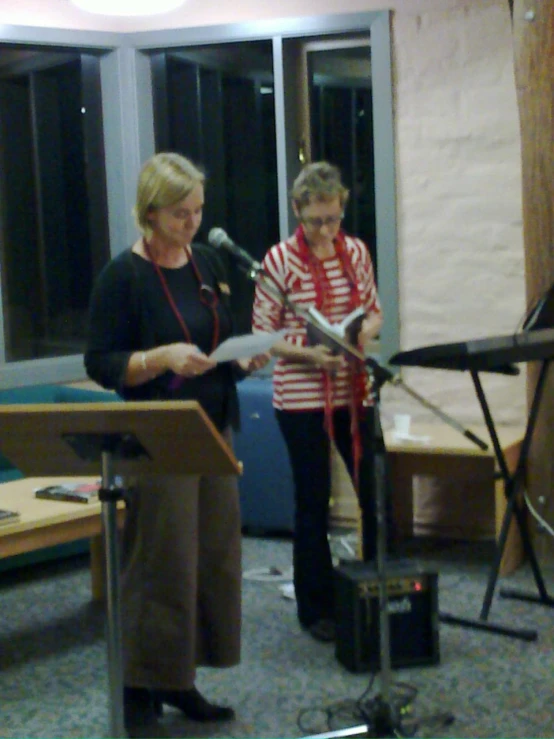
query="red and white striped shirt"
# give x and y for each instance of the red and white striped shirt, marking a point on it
(298, 386)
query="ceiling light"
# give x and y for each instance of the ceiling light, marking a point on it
(128, 7)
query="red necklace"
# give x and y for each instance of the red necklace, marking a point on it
(207, 295)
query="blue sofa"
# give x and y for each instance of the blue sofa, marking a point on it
(266, 485)
(45, 394)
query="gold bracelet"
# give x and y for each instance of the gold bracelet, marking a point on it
(143, 361)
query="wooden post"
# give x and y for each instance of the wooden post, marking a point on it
(533, 25)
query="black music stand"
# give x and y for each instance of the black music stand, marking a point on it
(491, 355)
(115, 439)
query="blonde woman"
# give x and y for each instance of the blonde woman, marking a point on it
(157, 311)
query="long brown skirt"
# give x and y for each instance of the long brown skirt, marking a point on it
(181, 579)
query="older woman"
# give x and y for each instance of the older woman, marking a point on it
(319, 394)
(157, 312)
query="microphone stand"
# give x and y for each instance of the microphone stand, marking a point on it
(382, 375)
(382, 715)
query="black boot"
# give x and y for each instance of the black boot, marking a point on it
(193, 704)
(139, 716)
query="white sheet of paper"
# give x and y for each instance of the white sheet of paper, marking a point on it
(247, 345)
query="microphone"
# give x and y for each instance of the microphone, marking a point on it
(219, 238)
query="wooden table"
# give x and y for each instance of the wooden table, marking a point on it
(446, 454)
(46, 523)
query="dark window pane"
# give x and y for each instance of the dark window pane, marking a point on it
(342, 130)
(54, 236)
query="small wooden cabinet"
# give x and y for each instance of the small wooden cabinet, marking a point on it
(442, 485)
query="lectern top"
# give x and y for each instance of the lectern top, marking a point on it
(176, 437)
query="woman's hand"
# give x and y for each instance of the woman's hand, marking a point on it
(251, 364)
(370, 328)
(186, 360)
(321, 357)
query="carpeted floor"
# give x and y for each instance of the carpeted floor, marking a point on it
(53, 672)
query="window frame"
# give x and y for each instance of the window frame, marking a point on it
(128, 122)
(67, 368)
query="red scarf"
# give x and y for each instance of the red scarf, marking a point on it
(318, 272)
(358, 374)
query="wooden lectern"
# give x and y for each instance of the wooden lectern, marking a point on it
(113, 439)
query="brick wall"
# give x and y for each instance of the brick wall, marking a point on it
(460, 253)
(461, 263)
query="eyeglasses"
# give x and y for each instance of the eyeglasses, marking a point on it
(317, 223)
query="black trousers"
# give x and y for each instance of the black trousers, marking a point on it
(308, 447)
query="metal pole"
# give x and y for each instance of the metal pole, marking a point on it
(109, 498)
(385, 719)
(384, 625)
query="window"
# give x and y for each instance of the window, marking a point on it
(79, 114)
(341, 116)
(53, 211)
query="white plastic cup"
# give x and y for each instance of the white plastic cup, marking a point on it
(402, 424)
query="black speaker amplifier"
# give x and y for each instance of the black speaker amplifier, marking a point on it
(412, 594)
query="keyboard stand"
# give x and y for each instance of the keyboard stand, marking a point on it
(514, 484)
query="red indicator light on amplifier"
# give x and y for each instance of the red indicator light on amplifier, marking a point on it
(417, 587)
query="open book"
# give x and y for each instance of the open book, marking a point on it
(339, 337)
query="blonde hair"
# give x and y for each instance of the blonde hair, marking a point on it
(318, 181)
(165, 179)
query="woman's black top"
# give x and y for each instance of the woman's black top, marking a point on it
(129, 312)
